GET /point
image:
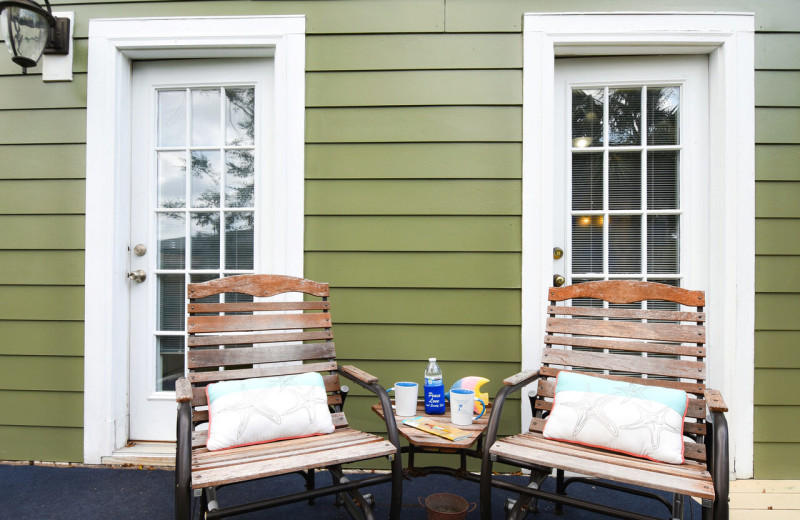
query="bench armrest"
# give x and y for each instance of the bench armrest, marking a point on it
(357, 375)
(523, 377)
(183, 390)
(715, 401)
(370, 382)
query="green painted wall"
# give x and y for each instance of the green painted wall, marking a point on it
(413, 168)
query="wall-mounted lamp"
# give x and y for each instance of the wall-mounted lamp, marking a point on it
(30, 30)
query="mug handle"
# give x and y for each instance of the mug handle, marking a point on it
(390, 389)
(483, 410)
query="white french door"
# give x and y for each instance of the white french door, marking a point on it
(200, 154)
(631, 167)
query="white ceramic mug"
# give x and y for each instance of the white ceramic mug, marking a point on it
(462, 403)
(405, 398)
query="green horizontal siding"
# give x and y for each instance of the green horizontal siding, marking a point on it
(777, 236)
(777, 162)
(778, 51)
(393, 88)
(767, 416)
(777, 311)
(422, 233)
(777, 349)
(771, 385)
(413, 124)
(778, 200)
(32, 93)
(57, 444)
(42, 231)
(42, 267)
(778, 88)
(778, 274)
(43, 373)
(19, 302)
(419, 270)
(41, 338)
(483, 15)
(487, 343)
(428, 306)
(413, 197)
(61, 126)
(414, 161)
(778, 125)
(19, 408)
(413, 52)
(777, 460)
(41, 197)
(39, 161)
(322, 16)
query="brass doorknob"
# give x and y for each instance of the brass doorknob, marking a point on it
(558, 280)
(137, 276)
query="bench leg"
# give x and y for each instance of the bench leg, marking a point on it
(561, 489)
(357, 504)
(183, 461)
(310, 483)
(677, 506)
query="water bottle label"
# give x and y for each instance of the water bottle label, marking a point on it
(434, 398)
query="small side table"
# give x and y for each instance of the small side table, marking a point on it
(424, 442)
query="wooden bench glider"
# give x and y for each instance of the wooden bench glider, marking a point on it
(234, 337)
(602, 334)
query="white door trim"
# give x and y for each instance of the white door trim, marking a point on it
(728, 40)
(113, 44)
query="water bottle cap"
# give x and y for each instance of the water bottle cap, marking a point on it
(432, 360)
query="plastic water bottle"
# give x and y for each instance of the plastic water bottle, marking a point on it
(434, 388)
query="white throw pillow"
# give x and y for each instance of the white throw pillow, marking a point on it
(254, 411)
(644, 421)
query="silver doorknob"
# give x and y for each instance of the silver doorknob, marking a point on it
(138, 276)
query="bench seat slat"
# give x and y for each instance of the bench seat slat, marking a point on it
(690, 479)
(342, 446)
(626, 329)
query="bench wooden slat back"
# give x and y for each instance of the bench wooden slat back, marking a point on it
(658, 346)
(233, 339)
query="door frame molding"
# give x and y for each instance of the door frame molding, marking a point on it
(113, 45)
(728, 40)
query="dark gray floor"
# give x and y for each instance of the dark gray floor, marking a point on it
(46, 492)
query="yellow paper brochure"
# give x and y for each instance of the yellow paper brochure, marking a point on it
(442, 430)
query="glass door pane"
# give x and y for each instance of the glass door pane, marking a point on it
(625, 208)
(212, 131)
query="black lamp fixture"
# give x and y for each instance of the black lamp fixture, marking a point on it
(30, 30)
